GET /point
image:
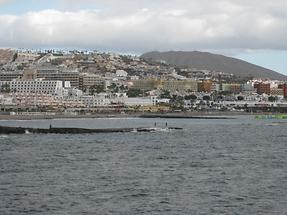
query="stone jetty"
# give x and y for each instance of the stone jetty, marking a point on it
(20, 130)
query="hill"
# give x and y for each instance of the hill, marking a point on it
(6, 56)
(213, 62)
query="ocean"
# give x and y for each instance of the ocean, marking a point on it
(223, 166)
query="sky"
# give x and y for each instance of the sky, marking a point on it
(255, 30)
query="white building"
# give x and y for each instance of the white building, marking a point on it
(104, 99)
(177, 76)
(6, 100)
(95, 101)
(121, 73)
(147, 101)
(35, 86)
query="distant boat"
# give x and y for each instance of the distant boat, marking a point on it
(273, 116)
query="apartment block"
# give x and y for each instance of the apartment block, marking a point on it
(56, 74)
(232, 88)
(179, 85)
(87, 80)
(144, 84)
(205, 86)
(10, 75)
(34, 86)
(284, 88)
(263, 88)
(276, 92)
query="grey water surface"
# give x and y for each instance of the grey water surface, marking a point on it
(231, 166)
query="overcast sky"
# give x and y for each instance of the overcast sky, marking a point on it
(254, 30)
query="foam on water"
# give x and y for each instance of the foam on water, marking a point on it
(3, 136)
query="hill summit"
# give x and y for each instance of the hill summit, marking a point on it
(213, 62)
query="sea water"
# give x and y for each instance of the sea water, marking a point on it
(230, 166)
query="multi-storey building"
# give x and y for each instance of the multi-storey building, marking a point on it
(144, 84)
(284, 88)
(29, 74)
(180, 86)
(34, 86)
(10, 75)
(37, 100)
(248, 87)
(95, 101)
(232, 88)
(276, 92)
(54, 73)
(33, 99)
(262, 88)
(205, 86)
(87, 80)
(6, 100)
(146, 101)
(235, 88)
(225, 87)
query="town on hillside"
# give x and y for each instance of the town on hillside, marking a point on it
(85, 82)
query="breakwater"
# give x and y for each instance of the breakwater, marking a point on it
(20, 130)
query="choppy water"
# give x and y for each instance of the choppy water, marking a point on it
(211, 167)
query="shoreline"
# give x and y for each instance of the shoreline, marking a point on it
(181, 115)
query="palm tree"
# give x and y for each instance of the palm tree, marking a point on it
(5, 88)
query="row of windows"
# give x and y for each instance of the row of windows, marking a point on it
(33, 89)
(58, 76)
(39, 86)
(33, 85)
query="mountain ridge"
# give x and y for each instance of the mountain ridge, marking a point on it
(213, 62)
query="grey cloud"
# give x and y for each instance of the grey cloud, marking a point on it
(153, 25)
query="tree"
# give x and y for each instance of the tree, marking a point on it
(97, 89)
(225, 93)
(177, 102)
(206, 98)
(271, 99)
(84, 89)
(134, 93)
(100, 88)
(190, 97)
(240, 98)
(165, 95)
(123, 88)
(15, 56)
(20, 67)
(114, 88)
(5, 88)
